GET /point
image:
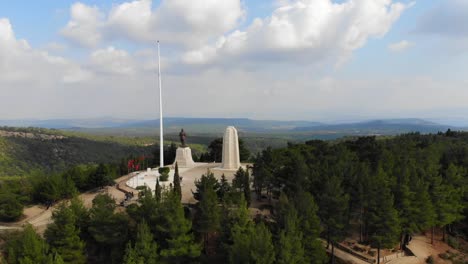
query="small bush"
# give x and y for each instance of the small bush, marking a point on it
(164, 170)
(444, 256)
(453, 242)
(164, 177)
(430, 260)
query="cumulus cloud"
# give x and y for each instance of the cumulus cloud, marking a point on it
(84, 26)
(305, 30)
(449, 18)
(112, 61)
(19, 62)
(400, 46)
(182, 22)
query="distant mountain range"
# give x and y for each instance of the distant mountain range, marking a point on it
(217, 125)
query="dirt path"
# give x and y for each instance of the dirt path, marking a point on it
(39, 216)
(407, 260)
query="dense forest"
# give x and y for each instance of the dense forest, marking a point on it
(382, 189)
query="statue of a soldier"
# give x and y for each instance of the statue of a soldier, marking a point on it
(182, 137)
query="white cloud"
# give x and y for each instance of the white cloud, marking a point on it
(55, 47)
(116, 82)
(307, 30)
(112, 61)
(400, 46)
(84, 26)
(182, 22)
(21, 63)
(6, 31)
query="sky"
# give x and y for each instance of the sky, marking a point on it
(318, 60)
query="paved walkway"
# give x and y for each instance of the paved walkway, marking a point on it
(421, 249)
(189, 175)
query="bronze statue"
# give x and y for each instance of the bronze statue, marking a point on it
(182, 137)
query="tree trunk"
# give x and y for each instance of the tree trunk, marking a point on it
(432, 235)
(378, 254)
(328, 237)
(366, 232)
(443, 233)
(333, 253)
(360, 226)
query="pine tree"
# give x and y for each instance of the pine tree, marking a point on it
(423, 205)
(30, 248)
(108, 229)
(241, 183)
(309, 224)
(81, 215)
(179, 246)
(281, 211)
(262, 250)
(239, 180)
(100, 177)
(158, 191)
(67, 187)
(177, 187)
(251, 244)
(10, 207)
(145, 249)
(246, 187)
(262, 175)
(224, 188)
(63, 236)
(333, 206)
(404, 198)
(447, 197)
(239, 251)
(209, 214)
(289, 248)
(206, 181)
(383, 221)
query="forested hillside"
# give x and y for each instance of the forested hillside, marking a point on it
(23, 150)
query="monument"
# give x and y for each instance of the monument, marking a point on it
(184, 153)
(231, 158)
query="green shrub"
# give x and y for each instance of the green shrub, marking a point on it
(164, 177)
(444, 256)
(164, 173)
(453, 242)
(430, 260)
(164, 170)
(11, 208)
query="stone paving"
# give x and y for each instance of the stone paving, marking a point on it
(189, 175)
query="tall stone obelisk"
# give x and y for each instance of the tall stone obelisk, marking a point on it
(231, 158)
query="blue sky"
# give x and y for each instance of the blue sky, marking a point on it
(318, 60)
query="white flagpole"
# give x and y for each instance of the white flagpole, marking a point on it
(161, 139)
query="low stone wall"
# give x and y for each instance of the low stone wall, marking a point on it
(392, 257)
(369, 259)
(356, 254)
